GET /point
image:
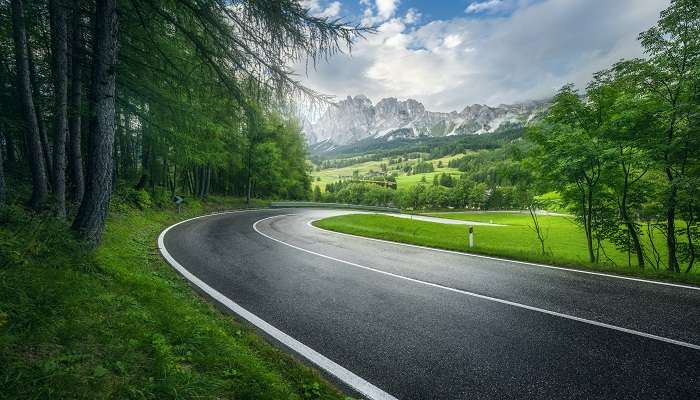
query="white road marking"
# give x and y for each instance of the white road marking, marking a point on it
(344, 375)
(480, 296)
(580, 271)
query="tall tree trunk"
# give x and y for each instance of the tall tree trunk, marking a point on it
(11, 158)
(43, 136)
(201, 176)
(173, 188)
(24, 87)
(59, 44)
(586, 199)
(75, 155)
(631, 227)
(93, 210)
(633, 235)
(671, 229)
(249, 191)
(3, 188)
(691, 245)
(145, 164)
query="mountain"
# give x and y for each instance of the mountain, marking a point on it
(356, 118)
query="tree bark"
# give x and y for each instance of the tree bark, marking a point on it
(587, 211)
(624, 214)
(691, 246)
(671, 230)
(3, 188)
(671, 203)
(634, 236)
(89, 223)
(59, 44)
(24, 87)
(173, 188)
(43, 137)
(75, 156)
(11, 158)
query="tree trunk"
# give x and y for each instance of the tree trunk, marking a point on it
(24, 87)
(249, 191)
(634, 238)
(631, 228)
(691, 245)
(201, 179)
(145, 164)
(207, 185)
(89, 222)
(3, 188)
(11, 158)
(59, 44)
(671, 231)
(43, 137)
(587, 223)
(174, 190)
(75, 157)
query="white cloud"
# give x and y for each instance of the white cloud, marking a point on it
(386, 8)
(412, 16)
(452, 41)
(526, 55)
(381, 11)
(485, 6)
(333, 10)
(317, 9)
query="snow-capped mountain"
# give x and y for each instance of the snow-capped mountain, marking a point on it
(356, 118)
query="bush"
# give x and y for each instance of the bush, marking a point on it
(128, 198)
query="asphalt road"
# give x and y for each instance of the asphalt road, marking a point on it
(424, 324)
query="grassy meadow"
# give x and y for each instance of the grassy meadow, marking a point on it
(564, 240)
(403, 180)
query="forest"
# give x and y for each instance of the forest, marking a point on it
(153, 99)
(159, 99)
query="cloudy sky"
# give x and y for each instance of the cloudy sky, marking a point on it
(450, 53)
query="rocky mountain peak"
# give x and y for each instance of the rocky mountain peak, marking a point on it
(356, 118)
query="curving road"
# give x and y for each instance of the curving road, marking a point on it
(406, 322)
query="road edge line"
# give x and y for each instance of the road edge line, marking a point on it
(484, 297)
(629, 278)
(344, 375)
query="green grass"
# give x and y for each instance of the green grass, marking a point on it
(403, 181)
(407, 181)
(120, 323)
(565, 243)
(335, 174)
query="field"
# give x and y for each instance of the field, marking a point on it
(407, 181)
(120, 323)
(403, 180)
(564, 240)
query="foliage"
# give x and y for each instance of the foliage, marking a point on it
(631, 144)
(200, 103)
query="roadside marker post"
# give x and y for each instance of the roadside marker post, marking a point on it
(471, 236)
(178, 201)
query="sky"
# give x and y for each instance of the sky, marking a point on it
(451, 53)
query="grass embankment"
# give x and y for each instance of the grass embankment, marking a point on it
(120, 323)
(565, 241)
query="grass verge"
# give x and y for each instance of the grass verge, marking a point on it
(565, 244)
(118, 322)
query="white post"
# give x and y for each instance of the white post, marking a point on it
(471, 236)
